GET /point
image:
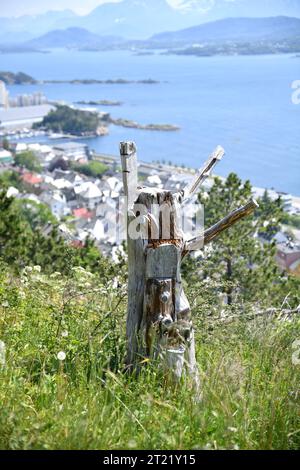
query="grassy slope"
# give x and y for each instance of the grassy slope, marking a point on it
(250, 387)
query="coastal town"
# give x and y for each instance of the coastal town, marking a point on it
(83, 189)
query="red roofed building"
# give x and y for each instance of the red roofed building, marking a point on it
(32, 179)
(82, 213)
(77, 244)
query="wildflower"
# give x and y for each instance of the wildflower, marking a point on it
(232, 429)
(65, 334)
(61, 356)
(2, 353)
(37, 269)
(5, 304)
(132, 444)
(27, 269)
(55, 275)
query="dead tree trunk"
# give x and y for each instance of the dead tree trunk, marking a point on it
(159, 318)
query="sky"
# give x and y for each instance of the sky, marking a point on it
(32, 7)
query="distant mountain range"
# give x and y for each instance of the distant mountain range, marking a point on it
(234, 29)
(231, 30)
(13, 30)
(139, 19)
(73, 38)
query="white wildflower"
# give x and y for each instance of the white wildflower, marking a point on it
(37, 269)
(65, 334)
(61, 356)
(232, 429)
(5, 304)
(55, 275)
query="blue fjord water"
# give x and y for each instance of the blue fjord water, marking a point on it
(242, 103)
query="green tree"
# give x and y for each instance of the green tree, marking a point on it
(69, 120)
(5, 144)
(92, 168)
(23, 242)
(291, 220)
(37, 214)
(10, 178)
(15, 233)
(28, 160)
(270, 213)
(240, 262)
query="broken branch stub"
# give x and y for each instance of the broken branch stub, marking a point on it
(213, 232)
(203, 173)
(129, 168)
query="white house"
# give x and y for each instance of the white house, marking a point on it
(154, 180)
(57, 203)
(107, 205)
(90, 196)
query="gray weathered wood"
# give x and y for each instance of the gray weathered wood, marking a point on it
(159, 320)
(210, 234)
(129, 169)
(203, 173)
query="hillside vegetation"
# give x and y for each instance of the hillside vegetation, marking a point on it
(62, 343)
(250, 386)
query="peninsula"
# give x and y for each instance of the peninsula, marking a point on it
(93, 81)
(71, 121)
(148, 127)
(100, 102)
(21, 78)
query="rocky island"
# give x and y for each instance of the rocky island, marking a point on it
(148, 127)
(94, 81)
(100, 103)
(21, 78)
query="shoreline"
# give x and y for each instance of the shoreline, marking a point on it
(192, 171)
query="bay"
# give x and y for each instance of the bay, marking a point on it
(243, 103)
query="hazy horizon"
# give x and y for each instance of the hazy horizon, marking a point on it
(17, 8)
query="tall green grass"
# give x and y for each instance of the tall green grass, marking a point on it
(250, 388)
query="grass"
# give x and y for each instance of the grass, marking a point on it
(250, 387)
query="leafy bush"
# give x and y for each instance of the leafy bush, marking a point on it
(28, 160)
(93, 168)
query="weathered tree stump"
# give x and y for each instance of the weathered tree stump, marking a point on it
(159, 320)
